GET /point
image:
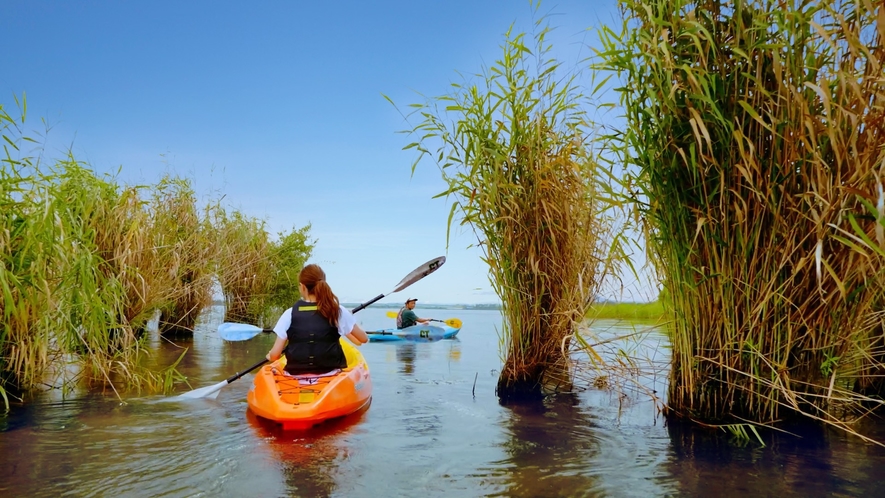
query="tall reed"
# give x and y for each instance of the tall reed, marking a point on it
(243, 264)
(754, 134)
(186, 240)
(78, 272)
(515, 153)
(113, 277)
(30, 241)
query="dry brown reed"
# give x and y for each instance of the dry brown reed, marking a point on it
(756, 132)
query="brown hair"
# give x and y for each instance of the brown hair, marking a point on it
(314, 278)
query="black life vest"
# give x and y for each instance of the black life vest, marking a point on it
(313, 342)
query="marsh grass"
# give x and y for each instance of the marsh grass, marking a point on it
(243, 265)
(80, 273)
(86, 263)
(515, 153)
(113, 277)
(30, 239)
(753, 135)
(653, 311)
(188, 246)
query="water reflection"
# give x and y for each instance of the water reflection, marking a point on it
(309, 460)
(547, 448)
(454, 350)
(711, 462)
(434, 429)
(405, 355)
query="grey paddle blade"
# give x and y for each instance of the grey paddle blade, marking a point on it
(419, 273)
(203, 392)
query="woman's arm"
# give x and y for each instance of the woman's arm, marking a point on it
(277, 349)
(357, 335)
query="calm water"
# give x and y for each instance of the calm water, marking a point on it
(434, 428)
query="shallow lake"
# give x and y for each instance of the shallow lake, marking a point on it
(434, 428)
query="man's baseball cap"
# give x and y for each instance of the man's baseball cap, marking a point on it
(410, 300)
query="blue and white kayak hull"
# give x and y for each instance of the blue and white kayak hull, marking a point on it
(426, 333)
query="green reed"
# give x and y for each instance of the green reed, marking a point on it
(188, 245)
(753, 136)
(653, 311)
(29, 241)
(243, 265)
(79, 273)
(515, 152)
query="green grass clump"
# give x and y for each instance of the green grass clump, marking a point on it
(653, 311)
(516, 155)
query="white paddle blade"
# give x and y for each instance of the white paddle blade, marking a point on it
(203, 392)
(237, 331)
(419, 273)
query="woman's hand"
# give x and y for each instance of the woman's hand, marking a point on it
(277, 349)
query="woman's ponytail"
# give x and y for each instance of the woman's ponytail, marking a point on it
(314, 278)
(327, 302)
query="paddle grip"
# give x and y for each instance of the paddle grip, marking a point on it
(244, 372)
(367, 303)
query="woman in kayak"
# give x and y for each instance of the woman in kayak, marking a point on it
(308, 332)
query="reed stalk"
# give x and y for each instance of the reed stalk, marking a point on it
(753, 135)
(112, 275)
(515, 153)
(243, 266)
(78, 274)
(30, 240)
(189, 247)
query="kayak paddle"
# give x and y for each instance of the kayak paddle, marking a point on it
(212, 391)
(230, 331)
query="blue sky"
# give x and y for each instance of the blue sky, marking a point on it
(279, 107)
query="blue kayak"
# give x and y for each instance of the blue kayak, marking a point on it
(419, 332)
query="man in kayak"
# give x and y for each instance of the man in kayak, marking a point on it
(406, 317)
(308, 332)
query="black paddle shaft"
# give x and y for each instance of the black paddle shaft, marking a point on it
(367, 303)
(244, 372)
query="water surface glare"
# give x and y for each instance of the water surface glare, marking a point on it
(434, 428)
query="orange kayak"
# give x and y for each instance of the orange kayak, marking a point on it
(306, 400)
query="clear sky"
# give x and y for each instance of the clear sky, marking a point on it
(278, 106)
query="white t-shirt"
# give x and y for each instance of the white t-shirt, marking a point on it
(346, 321)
